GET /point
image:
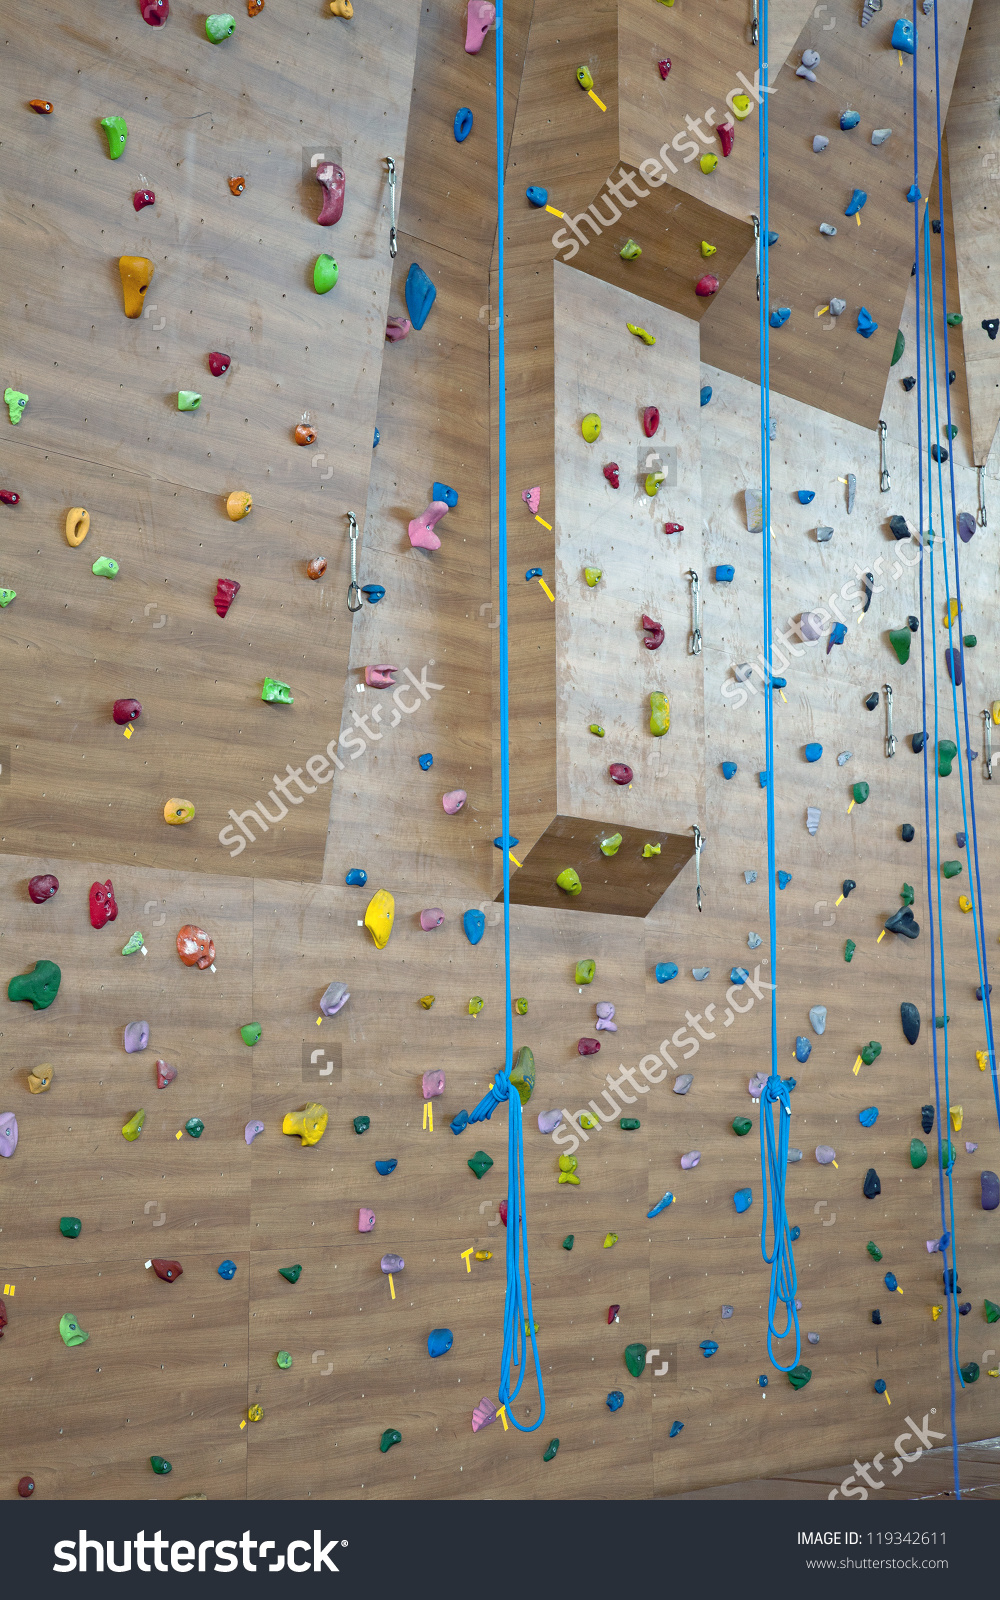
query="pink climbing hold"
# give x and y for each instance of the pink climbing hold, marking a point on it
(673, 527)
(690, 1160)
(620, 772)
(397, 328)
(726, 132)
(650, 421)
(381, 677)
(421, 529)
(605, 1017)
(611, 473)
(532, 499)
(366, 1220)
(486, 1411)
(548, 1121)
(431, 918)
(331, 179)
(481, 17)
(664, 66)
(587, 1047)
(654, 633)
(432, 1084)
(709, 284)
(165, 1074)
(454, 800)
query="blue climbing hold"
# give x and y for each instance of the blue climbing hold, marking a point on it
(779, 316)
(856, 202)
(463, 124)
(743, 1199)
(880, 1386)
(439, 1342)
(790, 1083)
(805, 495)
(794, 1233)
(665, 970)
(953, 661)
(838, 633)
(385, 1167)
(779, 683)
(420, 294)
(426, 761)
(708, 1348)
(849, 120)
(803, 1049)
(762, 1380)
(376, 439)
(443, 491)
(460, 1123)
(891, 1282)
(784, 879)
(536, 195)
(813, 752)
(532, 572)
(866, 323)
(729, 769)
(739, 975)
(615, 1400)
(474, 923)
(772, 238)
(675, 1429)
(706, 394)
(724, 573)
(762, 779)
(868, 1116)
(373, 593)
(912, 193)
(226, 1269)
(661, 1205)
(903, 37)
(357, 876)
(498, 842)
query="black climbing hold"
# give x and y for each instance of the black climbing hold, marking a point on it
(965, 1308)
(917, 742)
(951, 376)
(909, 1016)
(913, 623)
(960, 840)
(927, 1118)
(847, 885)
(909, 383)
(903, 922)
(900, 528)
(872, 700)
(877, 1318)
(906, 832)
(948, 1279)
(992, 326)
(936, 226)
(970, 1372)
(938, 452)
(868, 585)
(979, 992)
(871, 1186)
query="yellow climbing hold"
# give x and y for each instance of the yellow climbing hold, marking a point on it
(567, 1170)
(964, 903)
(590, 427)
(650, 850)
(584, 78)
(950, 614)
(77, 525)
(742, 105)
(707, 249)
(379, 917)
(653, 481)
(956, 1114)
(995, 712)
(640, 333)
(587, 1121)
(133, 1126)
(659, 720)
(709, 162)
(484, 1255)
(427, 1000)
(983, 1057)
(308, 1125)
(609, 1240)
(935, 1312)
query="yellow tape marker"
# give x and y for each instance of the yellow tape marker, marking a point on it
(513, 857)
(857, 218)
(318, 1021)
(179, 1134)
(822, 313)
(554, 211)
(465, 1257)
(548, 591)
(392, 1287)
(603, 107)
(8, 1288)
(887, 1400)
(127, 732)
(851, 807)
(857, 1066)
(502, 1413)
(837, 901)
(428, 1116)
(243, 1423)
(880, 937)
(834, 1164)
(782, 694)
(543, 522)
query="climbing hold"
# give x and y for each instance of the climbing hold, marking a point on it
(357, 877)
(989, 1190)
(849, 119)
(951, 869)
(820, 142)
(707, 285)
(665, 970)
(136, 275)
(992, 326)
(26, 1485)
(70, 1227)
(855, 204)
(817, 1017)
(620, 773)
(194, 947)
(39, 1080)
(250, 1032)
(803, 1049)
(331, 179)
(588, 1047)
(276, 693)
(421, 529)
(953, 661)
(630, 251)
(779, 316)
(116, 132)
(392, 1436)
(743, 1199)
(104, 567)
(420, 295)
(165, 1074)
(238, 505)
(536, 196)
(742, 105)
(741, 1126)
(227, 1270)
(308, 1124)
(333, 999)
(699, 974)
(838, 633)
(304, 433)
(705, 394)
(849, 949)
(291, 1274)
(220, 25)
(784, 879)
(871, 1186)
(133, 1127)
(188, 400)
(611, 845)
(871, 1052)
(480, 1163)
(40, 985)
(615, 1400)
(910, 1018)
(251, 1131)
(176, 812)
(610, 1239)
(453, 801)
(659, 719)
(136, 1037)
(650, 421)
(739, 975)
(70, 1330)
(383, 1168)
(654, 631)
(868, 1117)
(799, 1376)
(474, 923)
(860, 791)
(439, 1342)
(918, 1152)
(379, 917)
(325, 274)
(900, 639)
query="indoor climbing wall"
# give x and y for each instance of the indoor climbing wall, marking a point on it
(250, 1243)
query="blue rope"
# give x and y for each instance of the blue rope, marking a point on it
(773, 1151)
(517, 1234)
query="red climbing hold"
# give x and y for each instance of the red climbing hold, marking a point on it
(42, 888)
(654, 632)
(143, 198)
(226, 590)
(218, 363)
(612, 1313)
(8, 497)
(126, 711)
(103, 907)
(165, 1074)
(26, 1487)
(726, 132)
(620, 773)
(502, 1208)
(673, 527)
(611, 473)
(650, 421)
(3, 1308)
(664, 66)
(707, 285)
(588, 1047)
(155, 12)
(169, 1271)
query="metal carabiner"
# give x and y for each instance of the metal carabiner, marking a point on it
(890, 737)
(755, 25)
(756, 235)
(699, 845)
(391, 167)
(694, 648)
(353, 590)
(981, 513)
(988, 737)
(883, 462)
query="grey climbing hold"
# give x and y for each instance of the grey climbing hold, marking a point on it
(844, 757)
(880, 135)
(820, 142)
(813, 1338)
(750, 876)
(817, 1018)
(727, 1312)
(852, 482)
(754, 510)
(699, 974)
(909, 1016)
(837, 309)
(754, 940)
(813, 814)
(794, 1154)
(872, 9)
(683, 1083)
(824, 535)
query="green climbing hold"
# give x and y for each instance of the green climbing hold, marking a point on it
(954, 319)
(195, 1127)
(951, 869)
(550, 1453)
(134, 945)
(293, 1274)
(635, 1359)
(918, 1152)
(250, 1032)
(585, 972)
(15, 401)
(860, 791)
(70, 1330)
(220, 25)
(630, 251)
(390, 1437)
(523, 1074)
(609, 1240)
(595, 728)
(105, 567)
(970, 1372)
(6, 596)
(629, 1124)
(480, 1163)
(906, 894)
(870, 1052)
(969, 640)
(567, 1243)
(283, 1359)
(160, 1465)
(849, 949)
(947, 751)
(276, 693)
(593, 576)
(133, 1127)
(873, 1250)
(70, 1227)
(188, 400)
(947, 1155)
(659, 714)
(325, 274)
(362, 1124)
(40, 986)
(611, 846)
(799, 1376)
(521, 1006)
(569, 879)
(741, 1126)
(992, 1310)
(900, 639)
(116, 130)
(898, 348)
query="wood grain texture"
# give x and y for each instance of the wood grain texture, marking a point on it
(625, 884)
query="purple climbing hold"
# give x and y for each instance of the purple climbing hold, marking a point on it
(8, 1135)
(251, 1131)
(392, 1263)
(548, 1121)
(966, 526)
(990, 1190)
(953, 661)
(690, 1160)
(136, 1036)
(334, 999)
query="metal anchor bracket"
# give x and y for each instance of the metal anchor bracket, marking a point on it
(890, 737)
(391, 168)
(353, 592)
(988, 741)
(699, 845)
(694, 648)
(883, 459)
(981, 513)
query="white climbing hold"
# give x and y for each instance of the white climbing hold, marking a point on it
(824, 535)
(820, 142)
(817, 1018)
(683, 1083)
(699, 974)
(880, 135)
(754, 510)
(804, 72)
(829, 229)
(837, 309)
(754, 940)
(844, 757)
(813, 815)
(750, 876)
(810, 58)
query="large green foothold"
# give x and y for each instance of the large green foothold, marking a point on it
(325, 274)
(105, 567)
(250, 1032)
(951, 869)
(947, 1155)
(116, 129)
(873, 1250)
(390, 1437)
(276, 693)
(918, 1152)
(635, 1359)
(523, 1074)
(611, 846)
(293, 1274)
(569, 879)
(585, 971)
(970, 1372)
(134, 944)
(550, 1453)
(188, 400)
(15, 401)
(71, 1331)
(480, 1163)
(947, 751)
(70, 1227)
(39, 986)
(992, 1310)
(220, 25)
(659, 714)
(849, 949)
(906, 894)
(133, 1127)
(160, 1465)
(629, 1124)
(898, 348)
(195, 1127)
(870, 1052)
(362, 1124)
(860, 791)
(799, 1376)
(741, 1126)
(567, 1243)
(900, 639)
